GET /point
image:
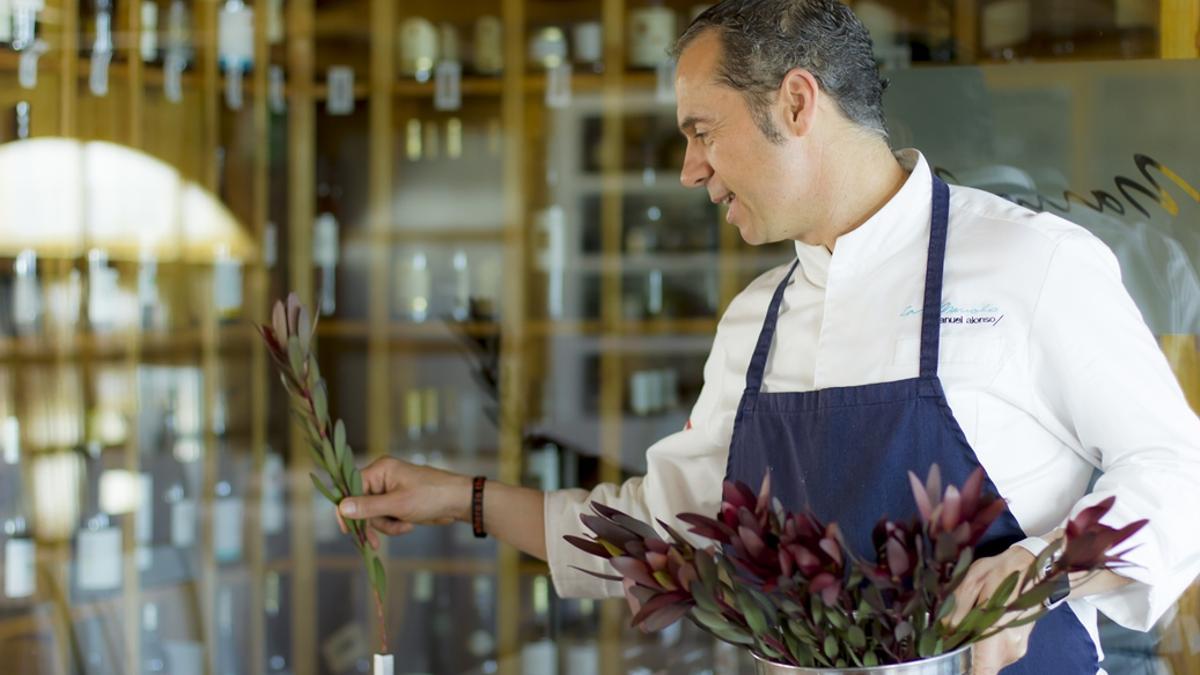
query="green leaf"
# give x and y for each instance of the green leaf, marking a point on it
(320, 400)
(831, 647)
(753, 613)
(339, 438)
(800, 630)
(329, 461)
(324, 490)
(706, 569)
(717, 625)
(946, 609)
(356, 486)
(835, 618)
(296, 356)
(818, 609)
(926, 644)
(799, 650)
(856, 637)
(347, 468)
(1000, 596)
(869, 660)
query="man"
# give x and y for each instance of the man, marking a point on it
(919, 324)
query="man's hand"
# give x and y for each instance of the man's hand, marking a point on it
(400, 495)
(981, 582)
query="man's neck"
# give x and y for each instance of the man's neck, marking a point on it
(858, 183)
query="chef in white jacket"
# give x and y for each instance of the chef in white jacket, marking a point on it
(1047, 367)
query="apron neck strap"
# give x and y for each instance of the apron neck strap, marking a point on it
(931, 317)
(758, 363)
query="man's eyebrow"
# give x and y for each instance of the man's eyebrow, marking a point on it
(688, 124)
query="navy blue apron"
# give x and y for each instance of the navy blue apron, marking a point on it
(845, 452)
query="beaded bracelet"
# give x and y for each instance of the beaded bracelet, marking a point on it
(477, 506)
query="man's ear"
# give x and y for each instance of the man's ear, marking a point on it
(798, 96)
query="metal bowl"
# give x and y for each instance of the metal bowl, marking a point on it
(957, 662)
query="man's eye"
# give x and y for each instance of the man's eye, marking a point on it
(702, 137)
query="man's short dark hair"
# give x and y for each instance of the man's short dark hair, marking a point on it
(762, 40)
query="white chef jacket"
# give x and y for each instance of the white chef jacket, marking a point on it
(1046, 363)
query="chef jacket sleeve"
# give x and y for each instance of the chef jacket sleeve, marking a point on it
(1104, 386)
(684, 473)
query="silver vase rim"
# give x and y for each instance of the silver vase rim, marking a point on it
(961, 652)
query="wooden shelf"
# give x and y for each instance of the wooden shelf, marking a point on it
(430, 330)
(597, 328)
(231, 338)
(400, 235)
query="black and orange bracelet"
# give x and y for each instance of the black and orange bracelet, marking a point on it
(477, 506)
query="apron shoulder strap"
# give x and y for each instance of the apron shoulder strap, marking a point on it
(931, 316)
(758, 362)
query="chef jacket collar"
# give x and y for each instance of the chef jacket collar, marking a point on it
(904, 217)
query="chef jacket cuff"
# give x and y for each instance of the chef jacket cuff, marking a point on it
(1153, 588)
(562, 508)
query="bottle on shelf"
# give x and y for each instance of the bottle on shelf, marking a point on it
(183, 516)
(148, 37)
(275, 22)
(98, 555)
(548, 48)
(235, 47)
(325, 256)
(481, 643)
(587, 46)
(652, 32)
(25, 16)
(488, 46)
(539, 656)
(6, 18)
(228, 519)
(178, 49)
(419, 649)
(100, 46)
(1005, 29)
(20, 577)
(154, 657)
(417, 48)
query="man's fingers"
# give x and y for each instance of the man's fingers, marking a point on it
(375, 475)
(391, 526)
(965, 598)
(341, 522)
(371, 506)
(986, 657)
(373, 539)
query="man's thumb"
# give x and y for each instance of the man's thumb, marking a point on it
(361, 508)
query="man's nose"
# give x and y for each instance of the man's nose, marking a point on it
(696, 170)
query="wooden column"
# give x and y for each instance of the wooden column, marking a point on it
(612, 382)
(1179, 29)
(513, 320)
(257, 310)
(301, 181)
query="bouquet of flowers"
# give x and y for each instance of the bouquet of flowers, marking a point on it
(786, 586)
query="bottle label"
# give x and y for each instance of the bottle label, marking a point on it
(558, 86)
(99, 559)
(340, 80)
(183, 523)
(447, 90)
(20, 579)
(227, 529)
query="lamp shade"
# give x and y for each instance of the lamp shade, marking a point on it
(62, 197)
